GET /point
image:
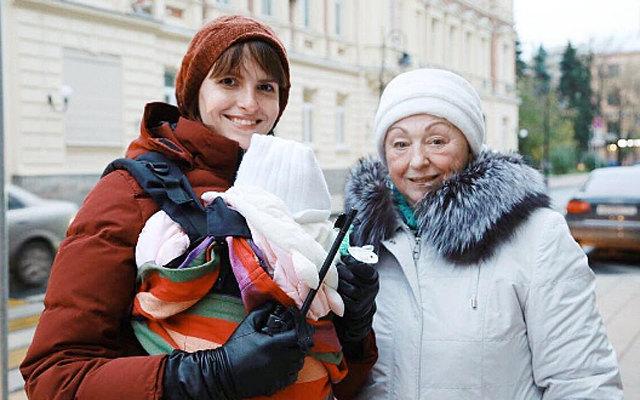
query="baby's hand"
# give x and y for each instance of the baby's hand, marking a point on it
(161, 240)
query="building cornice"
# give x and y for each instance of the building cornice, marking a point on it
(130, 21)
(469, 5)
(304, 59)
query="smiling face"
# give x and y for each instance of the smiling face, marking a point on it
(240, 102)
(422, 151)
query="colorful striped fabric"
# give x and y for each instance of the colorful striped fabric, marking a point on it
(175, 308)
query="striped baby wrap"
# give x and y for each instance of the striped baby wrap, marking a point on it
(175, 308)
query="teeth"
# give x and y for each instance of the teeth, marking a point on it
(422, 180)
(243, 122)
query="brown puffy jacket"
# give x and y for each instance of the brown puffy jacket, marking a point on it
(84, 347)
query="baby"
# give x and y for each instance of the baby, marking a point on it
(282, 194)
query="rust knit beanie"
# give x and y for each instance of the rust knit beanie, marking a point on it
(210, 42)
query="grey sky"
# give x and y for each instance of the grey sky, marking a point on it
(553, 22)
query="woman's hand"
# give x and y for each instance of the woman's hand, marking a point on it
(251, 363)
(358, 285)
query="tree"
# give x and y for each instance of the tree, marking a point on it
(549, 128)
(575, 92)
(531, 117)
(540, 72)
(521, 66)
(542, 88)
(570, 71)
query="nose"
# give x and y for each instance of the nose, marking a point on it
(248, 100)
(419, 157)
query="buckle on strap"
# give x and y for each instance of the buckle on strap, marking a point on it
(173, 187)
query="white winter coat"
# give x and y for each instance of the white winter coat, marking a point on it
(494, 300)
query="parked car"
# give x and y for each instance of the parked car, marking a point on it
(36, 227)
(605, 213)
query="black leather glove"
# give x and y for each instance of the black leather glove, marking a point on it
(358, 285)
(249, 364)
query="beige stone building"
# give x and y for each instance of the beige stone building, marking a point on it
(78, 73)
(616, 84)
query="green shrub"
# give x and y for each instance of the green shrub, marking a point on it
(563, 159)
(591, 161)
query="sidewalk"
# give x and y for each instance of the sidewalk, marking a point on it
(618, 298)
(23, 318)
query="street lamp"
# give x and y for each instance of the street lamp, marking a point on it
(398, 40)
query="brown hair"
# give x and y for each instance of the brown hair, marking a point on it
(230, 61)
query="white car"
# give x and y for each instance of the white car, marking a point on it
(36, 227)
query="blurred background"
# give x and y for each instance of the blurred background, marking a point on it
(559, 82)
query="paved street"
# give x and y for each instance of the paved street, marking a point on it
(618, 297)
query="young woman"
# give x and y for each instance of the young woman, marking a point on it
(483, 292)
(233, 83)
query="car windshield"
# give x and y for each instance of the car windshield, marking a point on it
(22, 195)
(614, 182)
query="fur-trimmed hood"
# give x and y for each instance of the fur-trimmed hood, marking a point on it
(465, 219)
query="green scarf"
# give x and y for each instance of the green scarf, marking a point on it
(405, 210)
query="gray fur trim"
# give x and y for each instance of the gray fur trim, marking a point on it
(367, 190)
(466, 219)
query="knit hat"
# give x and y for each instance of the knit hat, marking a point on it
(210, 42)
(431, 91)
(290, 171)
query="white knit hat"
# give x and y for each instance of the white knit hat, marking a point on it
(431, 91)
(289, 170)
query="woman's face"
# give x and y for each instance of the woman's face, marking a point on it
(421, 152)
(240, 103)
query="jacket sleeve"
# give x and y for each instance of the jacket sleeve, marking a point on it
(571, 355)
(360, 363)
(84, 347)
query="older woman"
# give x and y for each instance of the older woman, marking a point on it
(483, 292)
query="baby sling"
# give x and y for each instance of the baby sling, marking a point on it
(163, 180)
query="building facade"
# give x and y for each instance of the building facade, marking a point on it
(78, 73)
(616, 84)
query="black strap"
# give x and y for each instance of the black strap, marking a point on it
(167, 185)
(222, 221)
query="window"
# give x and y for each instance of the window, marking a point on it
(506, 53)
(452, 46)
(435, 40)
(175, 12)
(306, 12)
(267, 7)
(340, 119)
(94, 116)
(14, 203)
(468, 51)
(613, 127)
(613, 98)
(505, 132)
(170, 87)
(613, 70)
(307, 115)
(307, 122)
(142, 7)
(338, 17)
(484, 55)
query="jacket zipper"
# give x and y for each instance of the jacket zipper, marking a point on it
(416, 251)
(416, 256)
